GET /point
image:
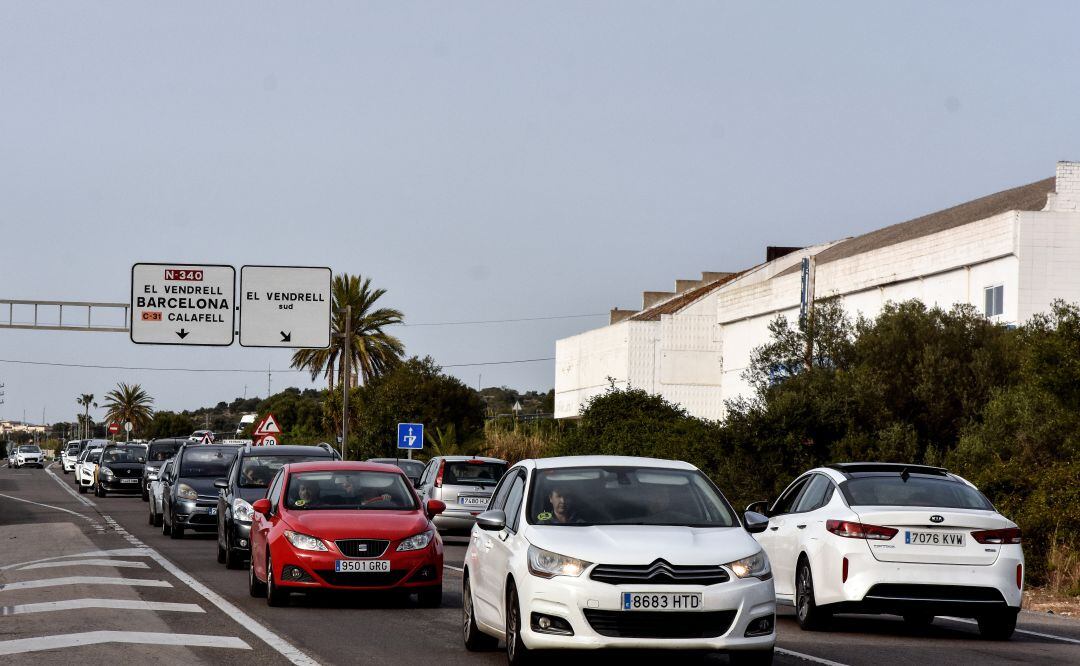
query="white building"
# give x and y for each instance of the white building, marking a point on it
(1010, 254)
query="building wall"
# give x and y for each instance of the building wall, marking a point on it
(1049, 260)
(584, 362)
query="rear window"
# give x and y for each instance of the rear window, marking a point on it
(72, 448)
(204, 461)
(469, 473)
(160, 451)
(928, 491)
(259, 471)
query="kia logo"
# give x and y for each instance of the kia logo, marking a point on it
(937, 519)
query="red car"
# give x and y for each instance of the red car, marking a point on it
(338, 525)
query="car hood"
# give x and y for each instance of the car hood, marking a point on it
(250, 494)
(643, 544)
(120, 468)
(353, 524)
(203, 485)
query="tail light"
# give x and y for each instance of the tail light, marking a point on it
(853, 530)
(1009, 535)
(438, 477)
(844, 576)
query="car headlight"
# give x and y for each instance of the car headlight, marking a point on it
(546, 564)
(106, 473)
(417, 541)
(241, 510)
(184, 491)
(756, 566)
(304, 541)
(151, 475)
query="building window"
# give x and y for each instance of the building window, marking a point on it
(995, 300)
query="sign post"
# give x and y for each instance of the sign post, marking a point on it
(285, 306)
(410, 436)
(182, 304)
(114, 428)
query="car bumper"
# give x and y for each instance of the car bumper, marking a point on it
(69, 465)
(118, 486)
(935, 589)
(28, 462)
(734, 605)
(408, 571)
(196, 516)
(86, 480)
(241, 537)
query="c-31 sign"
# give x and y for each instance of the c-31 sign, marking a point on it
(195, 304)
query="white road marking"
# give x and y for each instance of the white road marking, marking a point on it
(120, 564)
(1020, 631)
(83, 580)
(448, 566)
(22, 645)
(119, 552)
(123, 604)
(50, 506)
(807, 657)
(66, 487)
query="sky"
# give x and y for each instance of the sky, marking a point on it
(485, 160)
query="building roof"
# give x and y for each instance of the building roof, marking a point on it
(1026, 198)
(673, 305)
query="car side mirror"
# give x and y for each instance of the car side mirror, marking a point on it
(492, 520)
(755, 522)
(760, 506)
(221, 483)
(435, 507)
(261, 507)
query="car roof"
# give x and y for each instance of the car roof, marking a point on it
(467, 458)
(284, 450)
(608, 461)
(852, 468)
(341, 466)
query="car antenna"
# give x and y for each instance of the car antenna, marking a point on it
(904, 475)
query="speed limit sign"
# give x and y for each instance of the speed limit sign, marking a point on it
(268, 440)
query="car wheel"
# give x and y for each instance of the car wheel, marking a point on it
(516, 650)
(82, 489)
(99, 491)
(65, 472)
(475, 640)
(145, 494)
(998, 626)
(150, 517)
(158, 520)
(256, 587)
(175, 531)
(430, 597)
(232, 558)
(810, 616)
(275, 596)
(751, 658)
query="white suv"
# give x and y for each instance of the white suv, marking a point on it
(29, 454)
(909, 540)
(86, 468)
(613, 552)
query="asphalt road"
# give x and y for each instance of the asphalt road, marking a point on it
(74, 566)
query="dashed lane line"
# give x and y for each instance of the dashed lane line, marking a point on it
(83, 580)
(808, 657)
(119, 564)
(21, 645)
(120, 604)
(453, 568)
(1021, 631)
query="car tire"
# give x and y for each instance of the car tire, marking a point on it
(82, 488)
(256, 587)
(232, 558)
(998, 626)
(164, 525)
(175, 531)
(275, 596)
(517, 653)
(145, 494)
(158, 519)
(751, 657)
(65, 472)
(811, 617)
(475, 640)
(150, 517)
(430, 597)
(99, 491)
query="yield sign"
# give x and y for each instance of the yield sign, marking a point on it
(268, 426)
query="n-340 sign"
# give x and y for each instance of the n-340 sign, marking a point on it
(193, 304)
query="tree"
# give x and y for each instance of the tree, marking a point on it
(170, 424)
(373, 351)
(129, 403)
(86, 400)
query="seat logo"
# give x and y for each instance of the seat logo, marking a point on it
(937, 519)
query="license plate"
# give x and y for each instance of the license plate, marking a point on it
(129, 480)
(661, 601)
(934, 538)
(212, 511)
(473, 501)
(361, 566)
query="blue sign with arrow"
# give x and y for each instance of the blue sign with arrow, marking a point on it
(410, 435)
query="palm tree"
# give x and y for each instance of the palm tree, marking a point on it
(129, 403)
(373, 351)
(443, 442)
(86, 400)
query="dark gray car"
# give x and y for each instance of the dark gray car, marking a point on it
(188, 496)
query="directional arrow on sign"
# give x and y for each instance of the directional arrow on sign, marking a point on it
(286, 337)
(182, 333)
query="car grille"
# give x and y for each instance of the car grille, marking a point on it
(369, 579)
(643, 624)
(658, 573)
(362, 547)
(915, 592)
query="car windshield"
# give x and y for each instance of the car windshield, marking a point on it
(204, 461)
(124, 454)
(29, 449)
(94, 456)
(72, 448)
(472, 473)
(916, 490)
(163, 450)
(349, 490)
(626, 496)
(259, 471)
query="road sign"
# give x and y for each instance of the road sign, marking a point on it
(182, 304)
(410, 435)
(285, 306)
(114, 428)
(269, 440)
(268, 426)
(127, 426)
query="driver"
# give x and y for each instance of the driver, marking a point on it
(308, 494)
(563, 506)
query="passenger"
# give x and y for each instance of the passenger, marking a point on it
(308, 494)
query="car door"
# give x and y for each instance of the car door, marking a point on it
(485, 579)
(778, 543)
(167, 482)
(425, 479)
(260, 525)
(807, 521)
(504, 546)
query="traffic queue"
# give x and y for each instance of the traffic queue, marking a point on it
(583, 552)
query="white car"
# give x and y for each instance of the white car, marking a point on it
(154, 493)
(614, 552)
(908, 540)
(70, 455)
(86, 468)
(29, 454)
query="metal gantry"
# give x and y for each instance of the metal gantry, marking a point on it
(56, 323)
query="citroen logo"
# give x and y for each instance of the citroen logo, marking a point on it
(937, 519)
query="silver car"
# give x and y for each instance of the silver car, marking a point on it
(464, 484)
(154, 494)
